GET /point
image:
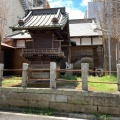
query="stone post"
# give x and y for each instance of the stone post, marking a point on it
(1, 73)
(85, 68)
(118, 76)
(53, 74)
(24, 75)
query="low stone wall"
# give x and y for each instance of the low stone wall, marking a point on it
(62, 100)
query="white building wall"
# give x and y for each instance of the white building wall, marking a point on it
(21, 43)
(77, 40)
(13, 10)
(95, 10)
(97, 41)
(86, 41)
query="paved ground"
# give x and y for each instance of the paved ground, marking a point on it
(19, 116)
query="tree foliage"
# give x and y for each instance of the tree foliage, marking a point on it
(112, 14)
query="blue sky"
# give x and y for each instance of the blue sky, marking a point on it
(75, 8)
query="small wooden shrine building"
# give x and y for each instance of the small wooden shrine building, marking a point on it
(49, 29)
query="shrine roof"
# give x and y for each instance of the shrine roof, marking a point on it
(43, 19)
(83, 28)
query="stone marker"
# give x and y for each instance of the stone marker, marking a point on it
(53, 75)
(24, 75)
(84, 68)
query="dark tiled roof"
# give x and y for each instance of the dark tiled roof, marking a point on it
(42, 18)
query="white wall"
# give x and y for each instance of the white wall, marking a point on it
(97, 41)
(86, 41)
(77, 40)
(20, 43)
(13, 9)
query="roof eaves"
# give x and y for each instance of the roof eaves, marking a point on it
(6, 45)
(86, 36)
(38, 27)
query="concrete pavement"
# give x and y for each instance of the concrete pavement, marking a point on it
(19, 116)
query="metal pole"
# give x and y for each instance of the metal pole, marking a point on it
(108, 25)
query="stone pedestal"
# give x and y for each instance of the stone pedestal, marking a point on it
(39, 74)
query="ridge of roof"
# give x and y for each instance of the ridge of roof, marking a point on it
(75, 21)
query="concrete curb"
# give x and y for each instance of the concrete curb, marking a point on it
(92, 117)
(64, 114)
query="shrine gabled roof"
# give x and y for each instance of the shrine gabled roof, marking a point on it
(43, 19)
(83, 28)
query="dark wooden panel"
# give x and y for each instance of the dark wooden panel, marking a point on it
(18, 61)
(42, 41)
(56, 44)
(93, 52)
(29, 45)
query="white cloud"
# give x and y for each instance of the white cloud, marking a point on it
(60, 3)
(84, 2)
(74, 13)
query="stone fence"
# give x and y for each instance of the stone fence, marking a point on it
(62, 100)
(53, 75)
(68, 100)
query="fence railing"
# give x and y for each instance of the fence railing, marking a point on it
(42, 50)
(54, 78)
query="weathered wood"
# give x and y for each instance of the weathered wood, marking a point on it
(104, 82)
(1, 73)
(24, 75)
(118, 76)
(79, 52)
(39, 70)
(69, 55)
(43, 54)
(43, 47)
(63, 80)
(40, 79)
(53, 75)
(19, 60)
(12, 70)
(85, 68)
(64, 70)
(41, 50)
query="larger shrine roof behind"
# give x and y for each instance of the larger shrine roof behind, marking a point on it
(83, 27)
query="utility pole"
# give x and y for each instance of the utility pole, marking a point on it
(109, 32)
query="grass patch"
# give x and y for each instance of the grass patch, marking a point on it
(101, 116)
(102, 87)
(39, 111)
(11, 81)
(16, 82)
